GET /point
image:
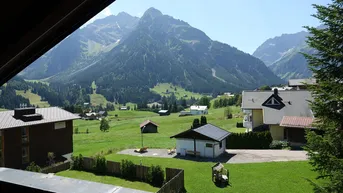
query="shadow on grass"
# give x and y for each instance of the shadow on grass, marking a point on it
(225, 157)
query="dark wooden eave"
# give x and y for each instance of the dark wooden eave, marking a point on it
(191, 134)
(30, 28)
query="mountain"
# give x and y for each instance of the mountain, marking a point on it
(164, 49)
(283, 56)
(82, 47)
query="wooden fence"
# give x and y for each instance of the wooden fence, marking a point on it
(174, 181)
(56, 168)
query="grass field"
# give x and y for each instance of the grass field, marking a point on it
(1, 109)
(125, 133)
(179, 92)
(34, 98)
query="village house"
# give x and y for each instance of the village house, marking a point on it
(285, 114)
(28, 134)
(148, 127)
(163, 112)
(301, 84)
(195, 110)
(123, 108)
(204, 141)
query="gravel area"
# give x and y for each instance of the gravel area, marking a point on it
(149, 153)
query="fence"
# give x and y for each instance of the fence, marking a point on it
(174, 181)
(56, 168)
(174, 177)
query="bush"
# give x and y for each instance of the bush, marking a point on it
(51, 158)
(33, 167)
(251, 140)
(239, 125)
(87, 131)
(76, 130)
(156, 176)
(100, 163)
(279, 144)
(128, 169)
(76, 162)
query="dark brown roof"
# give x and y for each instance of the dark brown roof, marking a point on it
(298, 122)
(147, 122)
(50, 115)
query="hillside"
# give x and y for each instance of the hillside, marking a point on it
(179, 92)
(82, 47)
(283, 55)
(34, 99)
(164, 49)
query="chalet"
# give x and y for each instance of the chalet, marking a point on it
(28, 134)
(301, 84)
(205, 141)
(148, 127)
(123, 108)
(163, 112)
(91, 116)
(285, 114)
(199, 110)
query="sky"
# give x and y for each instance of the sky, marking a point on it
(244, 24)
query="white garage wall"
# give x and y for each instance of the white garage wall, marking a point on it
(188, 144)
(218, 150)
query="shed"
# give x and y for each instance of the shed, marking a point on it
(205, 141)
(148, 127)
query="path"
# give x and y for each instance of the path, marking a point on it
(214, 75)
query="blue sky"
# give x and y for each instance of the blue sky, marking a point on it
(244, 24)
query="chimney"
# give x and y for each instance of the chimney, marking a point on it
(27, 114)
(276, 92)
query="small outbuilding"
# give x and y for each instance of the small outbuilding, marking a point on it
(163, 112)
(148, 127)
(205, 141)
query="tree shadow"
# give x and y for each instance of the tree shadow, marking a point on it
(223, 158)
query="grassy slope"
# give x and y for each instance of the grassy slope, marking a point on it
(34, 98)
(124, 133)
(179, 93)
(37, 81)
(97, 99)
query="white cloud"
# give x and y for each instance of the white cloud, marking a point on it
(107, 11)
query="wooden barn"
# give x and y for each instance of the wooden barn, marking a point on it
(148, 127)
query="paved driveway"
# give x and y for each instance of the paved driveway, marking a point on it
(231, 156)
(254, 156)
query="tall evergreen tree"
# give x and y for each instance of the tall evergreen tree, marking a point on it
(203, 120)
(326, 150)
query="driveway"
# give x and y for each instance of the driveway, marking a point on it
(230, 156)
(254, 156)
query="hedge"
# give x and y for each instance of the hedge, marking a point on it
(250, 140)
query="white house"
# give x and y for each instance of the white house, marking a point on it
(199, 110)
(205, 141)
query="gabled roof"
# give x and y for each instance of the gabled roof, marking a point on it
(296, 104)
(50, 115)
(148, 122)
(301, 82)
(210, 131)
(198, 108)
(297, 122)
(163, 111)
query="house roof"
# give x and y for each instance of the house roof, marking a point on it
(101, 112)
(147, 122)
(213, 132)
(163, 111)
(50, 115)
(296, 104)
(58, 184)
(199, 108)
(301, 82)
(297, 122)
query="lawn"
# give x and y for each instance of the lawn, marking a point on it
(180, 92)
(124, 133)
(34, 98)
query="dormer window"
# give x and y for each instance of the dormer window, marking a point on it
(273, 101)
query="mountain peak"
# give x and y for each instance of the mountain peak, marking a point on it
(152, 13)
(123, 14)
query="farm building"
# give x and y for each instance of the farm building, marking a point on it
(199, 110)
(90, 116)
(163, 113)
(123, 108)
(148, 127)
(28, 134)
(205, 141)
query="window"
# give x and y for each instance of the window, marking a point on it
(209, 145)
(25, 155)
(60, 125)
(24, 135)
(220, 144)
(273, 101)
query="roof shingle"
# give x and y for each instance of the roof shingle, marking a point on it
(298, 122)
